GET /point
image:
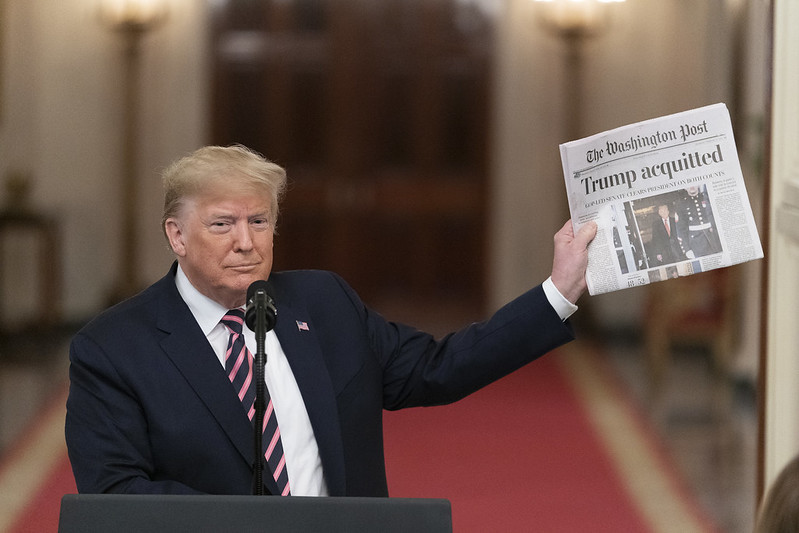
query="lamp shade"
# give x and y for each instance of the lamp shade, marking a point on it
(574, 16)
(132, 15)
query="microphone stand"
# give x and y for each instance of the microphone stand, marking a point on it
(260, 391)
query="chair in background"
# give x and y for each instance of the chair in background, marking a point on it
(700, 313)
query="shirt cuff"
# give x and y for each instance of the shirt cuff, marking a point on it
(563, 307)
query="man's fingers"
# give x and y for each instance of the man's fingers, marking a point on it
(586, 234)
(567, 230)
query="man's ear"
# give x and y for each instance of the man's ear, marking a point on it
(174, 232)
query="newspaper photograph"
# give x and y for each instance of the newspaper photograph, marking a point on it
(668, 197)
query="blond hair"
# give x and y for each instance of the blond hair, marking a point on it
(189, 176)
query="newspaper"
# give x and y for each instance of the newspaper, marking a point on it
(668, 197)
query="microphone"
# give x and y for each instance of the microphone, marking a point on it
(259, 297)
(259, 315)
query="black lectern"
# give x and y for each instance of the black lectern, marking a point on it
(86, 513)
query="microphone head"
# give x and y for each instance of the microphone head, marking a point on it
(255, 285)
(259, 293)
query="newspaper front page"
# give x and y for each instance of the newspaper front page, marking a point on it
(668, 197)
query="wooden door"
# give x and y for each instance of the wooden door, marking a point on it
(378, 109)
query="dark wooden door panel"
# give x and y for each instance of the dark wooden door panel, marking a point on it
(379, 112)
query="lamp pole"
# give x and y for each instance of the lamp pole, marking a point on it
(573, 83)
(574, 22)
(131, 20)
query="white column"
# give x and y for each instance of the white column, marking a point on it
(782, 353)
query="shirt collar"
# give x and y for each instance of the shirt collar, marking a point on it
(206, 312)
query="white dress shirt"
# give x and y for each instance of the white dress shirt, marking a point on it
(304, 465)
(563, 307)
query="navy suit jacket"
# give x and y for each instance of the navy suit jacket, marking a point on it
(150, 409)
(664, 243)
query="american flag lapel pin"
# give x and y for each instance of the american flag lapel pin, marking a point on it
(302, 326)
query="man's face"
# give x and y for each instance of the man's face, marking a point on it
(663, 211)
(223, 240)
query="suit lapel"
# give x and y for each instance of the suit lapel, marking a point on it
(187, 347)
(300, 344)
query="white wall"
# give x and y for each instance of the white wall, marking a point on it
(782, 365)
(528, 203)
(61, 120)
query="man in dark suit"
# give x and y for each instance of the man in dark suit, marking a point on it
(152, 408)
(665, 245)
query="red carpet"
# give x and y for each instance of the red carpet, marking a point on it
(41, 513)
(35, 473)
(519, 455)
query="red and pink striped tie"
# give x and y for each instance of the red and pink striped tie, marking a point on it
(239, 367)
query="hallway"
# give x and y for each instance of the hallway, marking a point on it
(711, 451)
